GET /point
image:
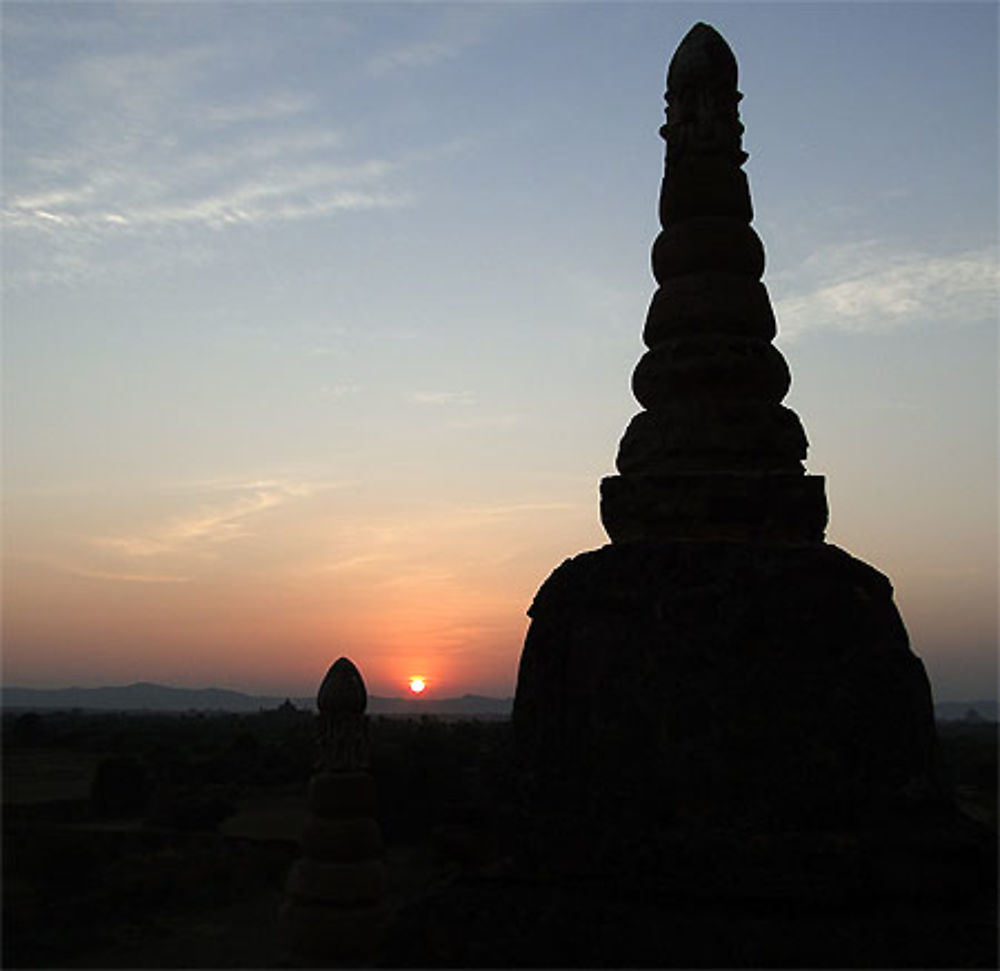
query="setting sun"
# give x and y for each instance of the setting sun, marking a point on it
(417, 685)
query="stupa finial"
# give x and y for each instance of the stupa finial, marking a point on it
(703, 117)
(702, 57)
(342, 700)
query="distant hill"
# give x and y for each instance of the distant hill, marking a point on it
(144, 696)
(141, 696)
(959, 710)
(479, 705)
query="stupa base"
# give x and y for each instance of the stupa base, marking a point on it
(721, 686)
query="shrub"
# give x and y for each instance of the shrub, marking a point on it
(120, 787)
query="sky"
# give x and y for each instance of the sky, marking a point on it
(319, 319)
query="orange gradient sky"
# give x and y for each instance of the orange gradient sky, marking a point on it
(319, 319)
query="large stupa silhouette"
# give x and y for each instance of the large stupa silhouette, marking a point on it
(718, 667)
(725, 753)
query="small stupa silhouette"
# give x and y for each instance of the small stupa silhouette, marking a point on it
(717, 668)
(334, 908)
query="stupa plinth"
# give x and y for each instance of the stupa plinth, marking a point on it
(717, 669)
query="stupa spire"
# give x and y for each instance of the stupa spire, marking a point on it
(714, 455)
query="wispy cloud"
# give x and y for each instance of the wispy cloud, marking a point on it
(219, 520)
(336, 391)
(60, 563)
(207, 527)
(292, 482)
(419, 54)
(442, 397)
(147, 196)
(125, 577)
(864, 288)
(445, 37)
(279, 105)
(107, 149)
(350, 564)
(487, 421)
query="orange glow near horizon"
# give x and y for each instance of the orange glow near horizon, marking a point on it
(175, 595)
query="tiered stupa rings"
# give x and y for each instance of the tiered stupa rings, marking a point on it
(715, 455)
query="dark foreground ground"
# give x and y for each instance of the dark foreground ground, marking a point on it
(163, 842)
